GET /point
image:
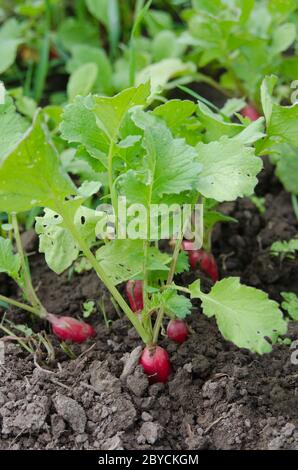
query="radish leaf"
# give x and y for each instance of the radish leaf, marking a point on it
(229, 169)
(124, 259)
(31, 174)
(244, 315)
(10, 263)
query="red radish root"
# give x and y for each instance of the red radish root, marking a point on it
(205, 260)
(250, 112)
(156, 364)
(177, 331)
(134, 292)
(68, 328)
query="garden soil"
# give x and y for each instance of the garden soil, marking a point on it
(218, 397)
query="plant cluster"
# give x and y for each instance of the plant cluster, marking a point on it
(61, 163)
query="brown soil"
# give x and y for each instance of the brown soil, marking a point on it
(218, 397)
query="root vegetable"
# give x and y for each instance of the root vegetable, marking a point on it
(156, 364)
(134, 292)
(177, 331)
(68, 328)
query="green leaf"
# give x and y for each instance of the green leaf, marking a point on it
(213, 217)
(12, 127)
(79, 126)
(82, 54)
(282, 121)
(170, 163)
(246, 9)
(289, 67)
(168, 169)
(86, 221)
(8, 52)
(124, 259)
(31, 174)
(89, 188)
(160, 73)
(89, 307)
(215, 124)
(82, 80)
(283, 36)
(285, 248)
(9, 262)
(252, 133)
(55, 242)
(166, 45)
(287, 167)
(280, 9)
(229, 170)
(175, 112)
(267, 87)
(9, 41)
(110, 112)
(260, 203)
(73, 32)
(232, 106)
(99, 9)
(182, 264)
(244, 315)
(158, 20)
(82, 164)
(290, 304)
(175, 305)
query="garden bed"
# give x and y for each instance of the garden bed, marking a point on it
(218, 397)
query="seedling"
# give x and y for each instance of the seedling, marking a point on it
(285, 249)
(88, 308)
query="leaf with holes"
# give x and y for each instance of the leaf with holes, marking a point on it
(124, 259)
(57, 243)
(244, 315)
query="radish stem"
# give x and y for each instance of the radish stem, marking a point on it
(29, 289)
(161, 312)
(21, 305)
(104, 277)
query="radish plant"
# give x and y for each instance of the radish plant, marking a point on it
(16, 266)
(178, 153)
